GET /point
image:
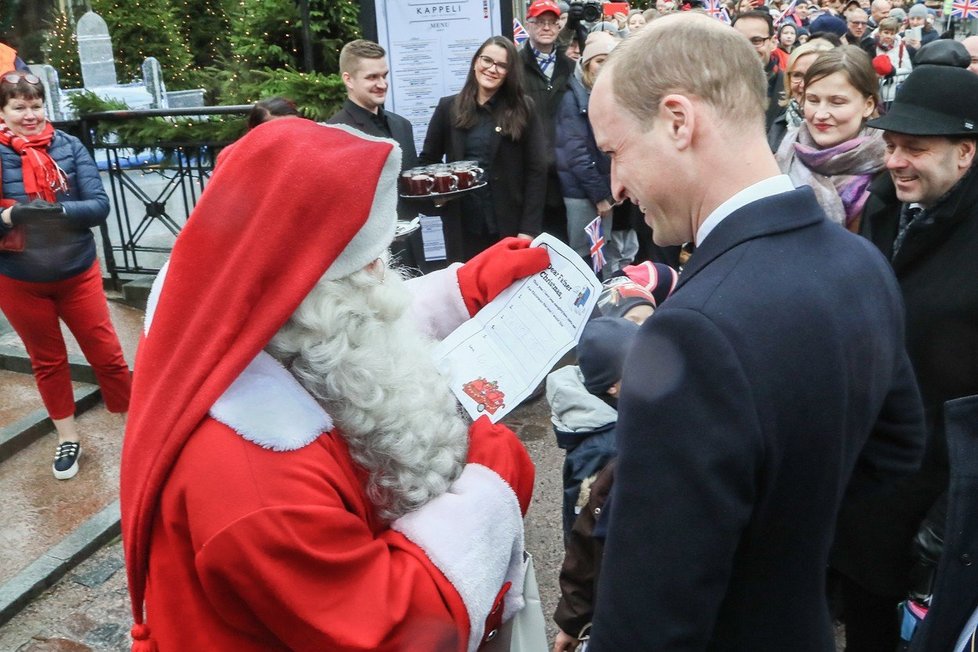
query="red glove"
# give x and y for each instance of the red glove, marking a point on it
(883, 65)
(495, 269)
(497, 447)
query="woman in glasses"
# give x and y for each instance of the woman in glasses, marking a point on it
(492, 121)
(53, 194)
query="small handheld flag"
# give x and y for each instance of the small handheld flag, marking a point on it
(964, 9)
(519, 33)
(596, 235)
(718, 10)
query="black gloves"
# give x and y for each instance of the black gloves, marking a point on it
(36, 211)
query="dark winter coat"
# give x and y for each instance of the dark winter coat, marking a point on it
(746, 408)
(584, 170)
(956, 587)
(581, 569)
(517, 179)
(936, 267)
(547, 94)
(56, 251)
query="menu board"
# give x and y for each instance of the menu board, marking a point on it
(430, 46)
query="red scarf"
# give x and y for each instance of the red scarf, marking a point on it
(42, 176)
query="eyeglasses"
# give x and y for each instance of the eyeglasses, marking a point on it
(489, 62)
(758, 40)
(15, 77)
(543, 24)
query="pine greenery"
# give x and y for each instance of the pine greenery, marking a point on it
(146, 28)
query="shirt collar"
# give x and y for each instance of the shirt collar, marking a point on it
(767, 188)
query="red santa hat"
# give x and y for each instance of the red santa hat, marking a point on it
(292, 202)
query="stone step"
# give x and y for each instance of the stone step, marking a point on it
(47, 526)
(23, 419)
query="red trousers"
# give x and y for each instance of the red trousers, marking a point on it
(33, 310)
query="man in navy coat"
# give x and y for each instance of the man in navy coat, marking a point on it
(772, 381)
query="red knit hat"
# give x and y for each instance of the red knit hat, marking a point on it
(293, 200)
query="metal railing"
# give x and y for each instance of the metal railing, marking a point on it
(152, 191)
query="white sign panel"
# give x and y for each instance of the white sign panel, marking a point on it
(429, 48)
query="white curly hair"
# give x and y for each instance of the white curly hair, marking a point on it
(352, 345)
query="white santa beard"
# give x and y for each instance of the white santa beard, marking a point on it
(352, 346)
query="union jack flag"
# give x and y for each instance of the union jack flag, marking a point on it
(519, 34)
(717, 9)
(964, 9)
(787, 13)
(596, 235)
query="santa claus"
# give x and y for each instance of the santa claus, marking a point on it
(296, 474)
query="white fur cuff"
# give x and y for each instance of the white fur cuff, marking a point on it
(474, 535)
(437, 305)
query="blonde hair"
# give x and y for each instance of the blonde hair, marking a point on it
(722, 69)
(354, 51)
(812, 47)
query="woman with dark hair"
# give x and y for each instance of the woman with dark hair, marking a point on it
(271, 109)
(492, 121)
(53, 195)
(833, 150)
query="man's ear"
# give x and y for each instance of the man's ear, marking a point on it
(966, 153)
(613, 390)
(679, 117)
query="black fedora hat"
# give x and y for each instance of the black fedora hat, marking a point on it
(934, 101)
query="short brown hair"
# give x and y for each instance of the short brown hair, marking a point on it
(353, 51)
(22, 89)
(722, 70)
(889, 24)
(854, 63)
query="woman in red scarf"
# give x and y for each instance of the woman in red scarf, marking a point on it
(53, 194)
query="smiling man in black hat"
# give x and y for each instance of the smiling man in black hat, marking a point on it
(923, 215)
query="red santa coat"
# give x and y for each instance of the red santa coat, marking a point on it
(265, 538)
(244, 519)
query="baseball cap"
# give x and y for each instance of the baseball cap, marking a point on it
(541, 7)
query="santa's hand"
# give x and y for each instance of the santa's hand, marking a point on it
(495, 269)
(497, 447)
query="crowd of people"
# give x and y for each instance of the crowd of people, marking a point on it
(772, 424)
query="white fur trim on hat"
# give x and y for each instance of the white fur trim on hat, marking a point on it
(377, 232)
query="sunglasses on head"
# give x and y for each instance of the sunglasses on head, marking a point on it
(15, 77)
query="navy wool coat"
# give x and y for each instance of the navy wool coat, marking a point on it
(765, 382)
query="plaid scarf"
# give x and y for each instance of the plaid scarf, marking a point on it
(545, 61)
(42, 176)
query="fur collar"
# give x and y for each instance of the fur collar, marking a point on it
(265, 404)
